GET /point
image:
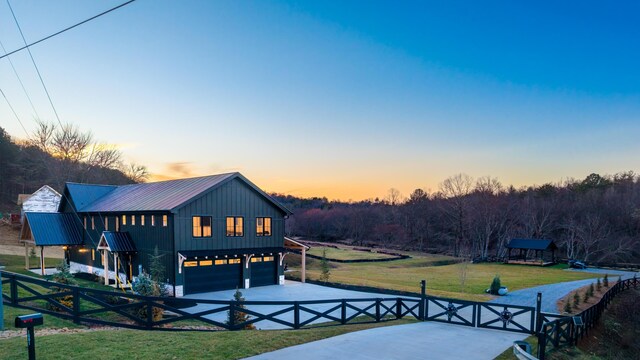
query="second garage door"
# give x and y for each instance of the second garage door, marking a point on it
(264, 271)
(212, 275)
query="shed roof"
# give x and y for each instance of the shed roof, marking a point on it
(532, 244)
(156, 196)
(117, 241)
(52, 229)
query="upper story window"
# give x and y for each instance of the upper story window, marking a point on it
(141, 220)
(93, 223)
(201, 226)
(165, 220)
(235, 226)
(153, 220)
(133, 220)
(117, 223)
(124, 219)
(263, 226)
(106, 223)
(85, 222)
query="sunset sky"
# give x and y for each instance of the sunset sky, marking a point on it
(343, 99)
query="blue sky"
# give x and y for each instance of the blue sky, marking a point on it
(341, 99)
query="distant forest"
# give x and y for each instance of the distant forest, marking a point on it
(53, 155)
(596, 219)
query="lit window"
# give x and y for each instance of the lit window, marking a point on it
(124, 219)
(235, 226)
(256, 259)
(164, 220)
(221, 262)
(268, 258)
(106, 223)
(153, 220)
(117, 223)
(190, 263)
(84, 218)
(263, 226)
(93, 254)
(141, 220)
(201, 226)
(206, 263)
(133, 220)
(234, 261)
(93, 223)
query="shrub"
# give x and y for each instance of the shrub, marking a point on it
(324, 267)
(605, 281)
(145, 286)
(585, 298)
(495, 285)
(63, 276)
(239, 316)
(576, 299)
(567, 307)
(591, 290)
(599, 285)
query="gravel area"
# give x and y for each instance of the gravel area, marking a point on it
(553, 292)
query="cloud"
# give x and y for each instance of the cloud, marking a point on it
(176, 170)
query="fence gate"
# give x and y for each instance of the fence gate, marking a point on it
(451, 311)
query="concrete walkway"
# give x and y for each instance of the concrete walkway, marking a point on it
(552, 293)
(425, 340)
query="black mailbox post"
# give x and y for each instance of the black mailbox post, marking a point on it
(28, 322)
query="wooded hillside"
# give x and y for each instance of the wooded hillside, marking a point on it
(596, 219)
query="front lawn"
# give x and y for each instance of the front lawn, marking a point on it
(347, 254)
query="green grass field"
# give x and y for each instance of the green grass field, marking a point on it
(347, 254)
(444, 280)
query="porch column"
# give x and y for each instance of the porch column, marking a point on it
(42, 259)
(26, 256)
(115, 269)
(303, 276)
(105, 262)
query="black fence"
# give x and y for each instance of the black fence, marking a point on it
(557, 331)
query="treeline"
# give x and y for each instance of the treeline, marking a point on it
(596, 219)
(53, 155)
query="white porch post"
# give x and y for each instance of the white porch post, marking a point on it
(42, 259)
(105, 262)
(115, 268)
(303, 276)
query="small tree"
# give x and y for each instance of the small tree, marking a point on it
(239, 317)
(585, 298)
(567, 307)
(495, 286)
(605, 281)
(591, 290)
(146, 286)
(576, 300)
(325, 271)
(599, 285)
(156, 267)
(63, 276)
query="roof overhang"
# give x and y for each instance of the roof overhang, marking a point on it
(51, 229)
(294, 245)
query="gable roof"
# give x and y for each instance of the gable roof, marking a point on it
(52, 229)
(116, 241)
(532, 244)
(156, 196)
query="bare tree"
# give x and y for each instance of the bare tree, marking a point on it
(456, 190)
(136, 173)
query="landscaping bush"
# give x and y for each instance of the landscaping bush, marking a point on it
(239, 316)
(567, 307)
(599, 285)
(324, 267)
(605, 281)
(145, 286)
(576, 299)
(495, 286)
(63, 276)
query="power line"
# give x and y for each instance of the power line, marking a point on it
(66, 29)
(34, 65)
(20, 80)
(14, 112)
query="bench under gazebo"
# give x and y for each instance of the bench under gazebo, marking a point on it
(540, 252)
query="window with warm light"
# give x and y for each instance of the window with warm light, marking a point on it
(221, 262)
(165, 220)
(153, 220)
(234, 261)
(124, 219)
(133, 220)
(85, 222)
(106, 223)
(235, 226)
(201, 226)
(93, 223)
(141, 220)
(263, 226)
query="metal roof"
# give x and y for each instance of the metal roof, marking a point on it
(84, 194)
(532, 244)
(53, 229)
(117, 241)
(156, 196)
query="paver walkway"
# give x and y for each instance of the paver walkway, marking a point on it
(553, 292)
(425, 340)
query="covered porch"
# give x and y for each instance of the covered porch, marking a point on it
(531, 252)
(291, 244)
(121, 248)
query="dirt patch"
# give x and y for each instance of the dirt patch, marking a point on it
(9, 235)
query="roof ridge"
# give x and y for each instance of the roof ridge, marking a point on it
(181, 179)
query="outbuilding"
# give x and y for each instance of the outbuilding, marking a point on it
(531, 252)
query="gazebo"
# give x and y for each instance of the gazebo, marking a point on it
(531, 252)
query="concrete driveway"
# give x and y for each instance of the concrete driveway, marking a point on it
(424, 340)
(292, 290)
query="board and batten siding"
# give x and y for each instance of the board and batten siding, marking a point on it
(235, 198)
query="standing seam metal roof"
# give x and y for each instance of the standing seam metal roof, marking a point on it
(54, 229)
(119, 241)
(532, 244)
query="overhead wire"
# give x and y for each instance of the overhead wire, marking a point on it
(14, 112)
(24, 89)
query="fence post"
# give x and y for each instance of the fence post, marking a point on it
(76, 305)
(538, 312)
(343, 312)
(232, 315)
(377, 310)
(14, 289)
(398, 308)
(296, 315)
(149, 315)
(542, 342)
(423, 296)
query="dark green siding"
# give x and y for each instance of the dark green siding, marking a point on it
(235, 198)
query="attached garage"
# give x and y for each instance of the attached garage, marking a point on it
(264, 270)
(212, 275)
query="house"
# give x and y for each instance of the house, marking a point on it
(45, 199)
(538, 248)
(211, 233)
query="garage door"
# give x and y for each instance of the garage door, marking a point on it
(264, 271)
(212, 275)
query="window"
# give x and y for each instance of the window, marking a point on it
(85, 222)
(117, 223)
(164, 220)
(234, 261)
(206, 263)
(124, 219)
(221, 262)
(106, 223)
(263, 226)
(190, 263)
(153, 220)
(235, 226)
(141, 220)
(93, 224)
(268, 258)
(93, 254)
(133, 220)
(201, 226)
